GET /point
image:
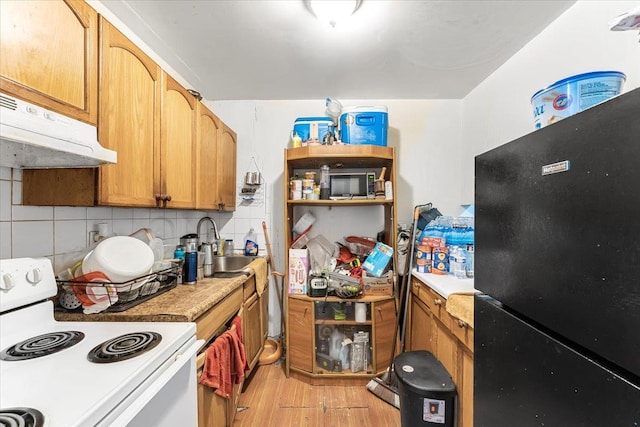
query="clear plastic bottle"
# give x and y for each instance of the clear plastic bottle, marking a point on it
(457, 262)
(251, 243)
(324, 182)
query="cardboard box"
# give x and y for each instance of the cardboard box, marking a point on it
(377, 286)
(298, 271)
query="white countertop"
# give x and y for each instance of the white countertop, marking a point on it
(447, 284)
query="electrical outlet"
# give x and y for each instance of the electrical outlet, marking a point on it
(93, 237)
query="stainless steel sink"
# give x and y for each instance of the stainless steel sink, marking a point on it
(234, 264)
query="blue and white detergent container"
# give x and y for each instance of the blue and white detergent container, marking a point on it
(251, 243)
(573, 94)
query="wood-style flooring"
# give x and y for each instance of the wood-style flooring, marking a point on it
(272, 399)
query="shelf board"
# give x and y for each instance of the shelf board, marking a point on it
(346, 373)
(363, 298)
(350, 202)
(336, 156)
(342, 322)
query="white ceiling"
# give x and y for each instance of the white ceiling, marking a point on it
(276, 49)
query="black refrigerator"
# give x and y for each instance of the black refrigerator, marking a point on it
(557, 328)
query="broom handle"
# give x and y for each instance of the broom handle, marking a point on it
(414, 226)
(278, 274)
(402, 299)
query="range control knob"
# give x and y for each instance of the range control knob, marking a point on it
(8, 282)
(34, 276)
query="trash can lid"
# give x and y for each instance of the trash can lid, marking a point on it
(421, 371)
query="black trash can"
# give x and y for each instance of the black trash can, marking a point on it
(427, 393)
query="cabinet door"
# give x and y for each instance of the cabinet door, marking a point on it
(264, 314)
(465, 386)
(226, 177)
(446, 350)
(208, 132)
(48, 55)
(420, 329)
(384, 318)
(178, 146)
(300, 342)
(130, 91)
(251, 329)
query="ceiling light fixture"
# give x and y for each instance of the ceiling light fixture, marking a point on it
(332, 12)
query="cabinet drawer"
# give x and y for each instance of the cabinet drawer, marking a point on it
(249, 287)
(462, 331)
(434, 301)
(214, 318)
(421, 292)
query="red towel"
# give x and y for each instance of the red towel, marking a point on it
(225, 363)
(238, 357)
(237, 321)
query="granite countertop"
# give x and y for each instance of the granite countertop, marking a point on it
(184, 303)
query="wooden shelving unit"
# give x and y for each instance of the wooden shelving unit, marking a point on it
(302, 321)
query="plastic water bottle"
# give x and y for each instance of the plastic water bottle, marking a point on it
(457, 262)
(251, 243)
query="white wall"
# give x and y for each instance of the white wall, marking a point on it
(499, 110)
(425, 133)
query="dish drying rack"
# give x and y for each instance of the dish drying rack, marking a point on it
(102, 296)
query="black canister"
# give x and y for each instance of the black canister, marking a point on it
(190, 269)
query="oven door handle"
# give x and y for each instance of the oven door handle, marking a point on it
(141, 401)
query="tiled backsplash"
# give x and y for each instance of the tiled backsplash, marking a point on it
(62, 233)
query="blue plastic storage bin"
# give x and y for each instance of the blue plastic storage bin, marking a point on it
(364, 125)
(313, 128)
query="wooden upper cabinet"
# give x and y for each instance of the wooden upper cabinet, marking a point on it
(226, 176)
(216, 171)
(172, 151)
(130, 95)
(209, 128)
(48, 55)
(178, 146)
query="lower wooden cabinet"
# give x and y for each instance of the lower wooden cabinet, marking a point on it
(213, 410)
(430, 327)
(300, 334)
(251, 330)
(315, 326)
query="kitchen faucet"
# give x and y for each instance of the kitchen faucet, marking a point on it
(216, 236)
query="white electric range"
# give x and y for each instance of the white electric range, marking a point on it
(88, 373)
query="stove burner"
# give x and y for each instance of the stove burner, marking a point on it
(124, 347)
(42, 345)
(21, 417)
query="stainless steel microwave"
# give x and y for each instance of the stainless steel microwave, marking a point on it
(352, 185)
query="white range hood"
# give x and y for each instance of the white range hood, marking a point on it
(32, 137)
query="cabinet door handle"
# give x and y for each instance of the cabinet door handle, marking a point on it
(165, 198)
(462, 324)
(300, 320)
(437, 301)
